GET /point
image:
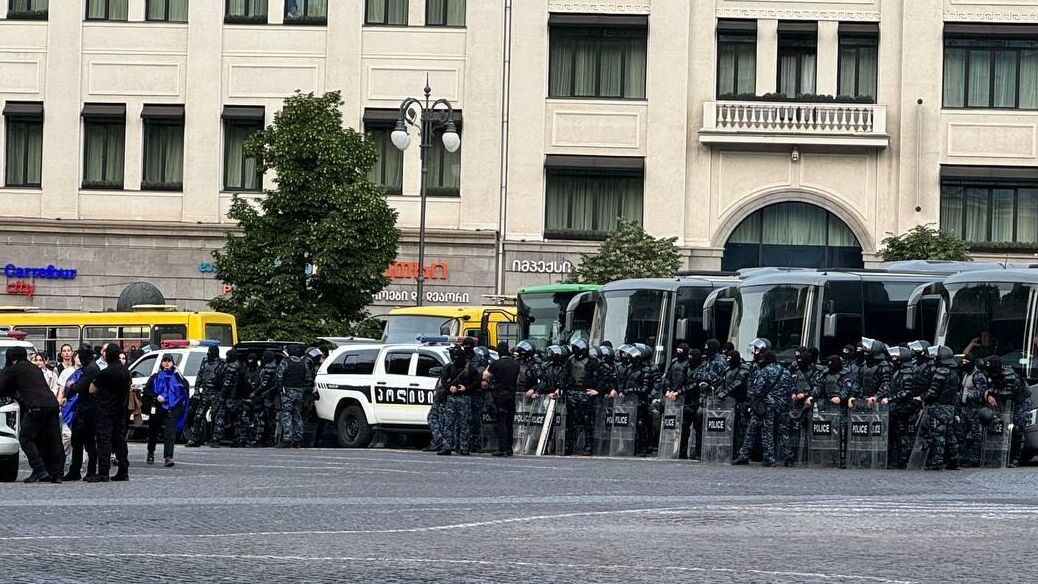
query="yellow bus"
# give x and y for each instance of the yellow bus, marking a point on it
(48, 331)
(489, 324)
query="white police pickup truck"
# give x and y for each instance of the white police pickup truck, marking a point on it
(10, 414)
(365, 387)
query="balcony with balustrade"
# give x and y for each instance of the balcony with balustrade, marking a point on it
(861, 125)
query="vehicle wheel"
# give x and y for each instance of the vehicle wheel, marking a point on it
(353, 428)
(8, 469)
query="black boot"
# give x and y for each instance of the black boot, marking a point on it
(71, 476)
(37, 477)
(123, 474)
(151, 458)
(168, 463)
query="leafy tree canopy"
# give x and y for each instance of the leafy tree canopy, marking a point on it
(629, 252)
(312, 252)
(924, 242)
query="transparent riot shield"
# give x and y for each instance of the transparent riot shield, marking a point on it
(557, 431)
(921, 448)
(826, 436)
(534, 423)
(718, 430)
(670, 429)
(997, 436)
(799, 438)
(488, 442)
(625, 427)
(603, 413)
(867, 436)
(520, 422)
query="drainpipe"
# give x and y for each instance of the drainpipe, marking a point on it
(506, 104)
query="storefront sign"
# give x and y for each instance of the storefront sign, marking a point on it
(411, 296)
(398, 270)
(21, 288)
(207, 267)
(542, 267)
(46, 273)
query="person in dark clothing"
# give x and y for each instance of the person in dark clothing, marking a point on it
(502, 376)
(167, 391)
(40, 431)
(84, 424)
(111, 388)
(207, 399)
(263, 400)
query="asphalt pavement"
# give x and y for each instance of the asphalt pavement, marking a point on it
(323, 515)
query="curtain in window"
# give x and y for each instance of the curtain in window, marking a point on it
(807, 73)
(848, 73)
(840, 235)
(24, 153)
(560, 68)
(107, 9)
(954, 77)
(317, 9)
(591, 203)
(588, 63)
(164, 155)
(388, 171)
(976, 214)
(736, 67)
(727, 54)
(1005, 79)
(611, 70)
(28, 5)
(951, 210)
(794, 224)
(444, 168)
(980, 79)
(178, 10)
(456, 12)
(247, 8)
(634, 76)
(1002, 214)
(585, 73)
(748, 231)
(240, 171)
(104, 145)
(1029, 79)
(788, 75)
(1027, 215)
(156, 10)
(868, 64)
(445, 12)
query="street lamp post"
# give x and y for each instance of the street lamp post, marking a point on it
(428, 117)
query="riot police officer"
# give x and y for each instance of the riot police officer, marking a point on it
(807, 373)
(875, 370)
(1006, 387)
(769, 390)
(840, 386)
(903, 409)
(577, 383)
(458, 380)
(733, 385)
(207, 400)
(637, 381)
(675, 385)
(940, 399)
(968, 431)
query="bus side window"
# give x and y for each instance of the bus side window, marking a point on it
(219, 332)
(168, 332)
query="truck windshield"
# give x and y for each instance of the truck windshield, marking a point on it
(629, 316)
(541, 317)
(405, 328)
(993, 319)
(776, 313)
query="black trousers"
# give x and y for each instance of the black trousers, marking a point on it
(504, 418)
(84, 437)
(164, 423)
(111, 437)
(40, 438)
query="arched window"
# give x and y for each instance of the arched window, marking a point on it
(799, 235)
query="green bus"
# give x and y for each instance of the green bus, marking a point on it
(543, 313)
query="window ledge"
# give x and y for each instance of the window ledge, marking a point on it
(575, 235)
(257, 20)
(248, 193)
(599, 100)
(32, 189)
(377, 25)
(172, 188)
(28, 15)
(303, 21)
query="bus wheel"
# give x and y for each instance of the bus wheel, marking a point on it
(353, 428)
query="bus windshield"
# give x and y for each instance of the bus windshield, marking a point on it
(993, 319)
(541, 317)
(405, 328)
(629, 316)
(776, 313)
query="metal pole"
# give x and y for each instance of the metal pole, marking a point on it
(426, 143)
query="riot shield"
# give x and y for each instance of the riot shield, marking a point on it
(826, 436)
(557, 437)
(921, 448)
(488, 442)
(625, 427)
(799, 438)
(520, 422)
(718, 430)
(545, 443)
(538, 407)
(997, 436)
(670, 429)
(603, 426)
(867, 434)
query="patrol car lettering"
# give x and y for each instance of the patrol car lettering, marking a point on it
(670, 422)
(821, 427)
(716, 425)
(406, 397)
(621, 420)
(860, 429)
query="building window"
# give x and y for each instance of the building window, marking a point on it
(241, 172)
(103, 153)
(736, 59)
(106, 10)
(597, 61)
(386, 12)
(585, 204)
(163, 155)
(27, 9)
(792, 234)
(306, 12)
(444, 179)
(797, 54)
(991, 72)
(24, 151)
(859, 59)
(246, 12)
(167, 10)
(445, 13)
(995, 211)
(388, 171)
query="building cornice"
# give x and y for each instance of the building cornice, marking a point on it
(763, 13)
(121, 228)
(987, 16)
(613, 7)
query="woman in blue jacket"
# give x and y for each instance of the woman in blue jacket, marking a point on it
(167, 393)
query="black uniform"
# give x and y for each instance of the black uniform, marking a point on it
(113, 393)
(504, 376)
(40, 431)
(84, 424)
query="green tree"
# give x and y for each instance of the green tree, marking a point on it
(309, 256)
(923, 242)
(629, 252)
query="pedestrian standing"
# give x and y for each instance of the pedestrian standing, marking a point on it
(501, 377)
(66, 358)
(40, 431)
(295, 378)
(111, 388)
(84, 415)
(40, 360)
(168, 392)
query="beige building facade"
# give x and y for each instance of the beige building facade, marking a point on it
(758, 132)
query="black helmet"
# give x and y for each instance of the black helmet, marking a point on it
(482, 352)
(942, 354)
(457, 353)
(556, 353)
(873, 349)
(994, 367)
(899, 355)
(314, 353)
(605, 353)
(644, 352)
(565, 351)
(757, 345)
(970, 361)
(524, 349)
(919, 349)
(627, 353)
(766, 357)
(232, 356)
(579, 347)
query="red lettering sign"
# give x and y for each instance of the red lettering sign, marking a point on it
(21, 288)
(401, 270)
